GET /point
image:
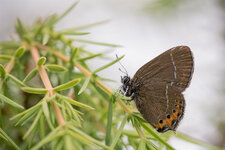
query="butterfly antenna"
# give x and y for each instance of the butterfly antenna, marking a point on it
(125, 72)
(122, 71)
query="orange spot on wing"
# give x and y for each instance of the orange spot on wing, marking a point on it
(169, 121)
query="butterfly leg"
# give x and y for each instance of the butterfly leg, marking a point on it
(125, 93)
(128, 101)
(119, 90)
(132, 98)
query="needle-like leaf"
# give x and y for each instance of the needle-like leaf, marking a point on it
(34, 90)
(10, 102)
(67, 85)
(108, 65)
(84, 86)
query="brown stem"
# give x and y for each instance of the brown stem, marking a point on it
(47, 84)
(10, 65)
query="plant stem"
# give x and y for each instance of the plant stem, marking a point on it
(47, 84)
(8, 68)
(140, 133)
(10, 65)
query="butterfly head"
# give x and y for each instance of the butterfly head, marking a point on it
(127, 87)
(125, 80)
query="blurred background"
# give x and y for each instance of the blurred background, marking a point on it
(146, 28)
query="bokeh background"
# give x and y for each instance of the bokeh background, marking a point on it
(146, 28)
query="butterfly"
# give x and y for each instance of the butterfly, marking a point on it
(157, 87)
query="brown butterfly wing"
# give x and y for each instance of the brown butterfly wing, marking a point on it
(160, 84)
(161, 104)
(174, 66)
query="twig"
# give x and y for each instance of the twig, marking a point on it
(10, 65)
(47, 84)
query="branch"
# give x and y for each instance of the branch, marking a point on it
(47, 84)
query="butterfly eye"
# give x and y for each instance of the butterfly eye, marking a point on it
(125, 79)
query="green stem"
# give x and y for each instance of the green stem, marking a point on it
(109, 123)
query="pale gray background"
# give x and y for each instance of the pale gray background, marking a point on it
(196, 23)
